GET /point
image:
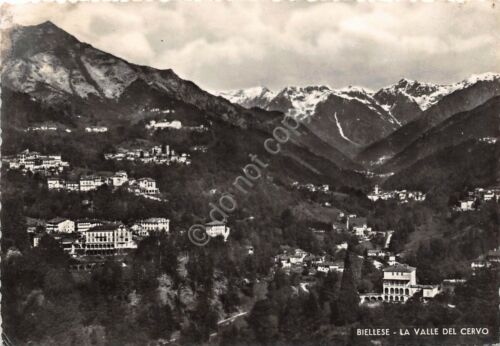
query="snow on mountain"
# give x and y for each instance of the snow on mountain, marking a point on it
(426, 95)
(341, 131)
(251, 97)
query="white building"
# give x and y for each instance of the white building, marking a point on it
(119, 178)
(164, 124)
(55, 183)
(399, 285)
(153, 224)
(96, 129)
(83, 225)
(108, 239)
(216, 229)
(147, 186)
(60, 225)
(91, 182)
(467, 205)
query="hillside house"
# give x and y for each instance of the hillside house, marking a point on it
(55, 183)
(96, 129)
(330, 267)
(108, 239)
(83, 225)
(359, 226)
(493, 256)
(216, 229)
(377, 253)
(148, 186)
(119, 178)
(152, 224)
(60, 225)
(91, 182)
(400, 284)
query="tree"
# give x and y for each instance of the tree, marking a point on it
(263, 320)
(348, 298)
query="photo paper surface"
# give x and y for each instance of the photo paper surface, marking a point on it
(250, 173)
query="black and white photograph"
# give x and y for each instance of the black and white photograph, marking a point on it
(246, 173)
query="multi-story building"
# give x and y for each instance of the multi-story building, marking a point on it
(398, 280)
(216, 229)
(91, 182)
(60, 225)
(119, 178)
(55, 183)
(83, 225)
(147, 186)
(153, 224)
(108, 239)
(400, 284)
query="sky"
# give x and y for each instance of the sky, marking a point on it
(223, 45)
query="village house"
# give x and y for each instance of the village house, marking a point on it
(359, 226)
(493, 256)
(108, 239)
(96, 129)
(164, 124)
(91, 182)
(83, 225)
(466, 205)
(148, 186)
(152, 224)
(119, 178)
(60, 225)
(71, 243)
(475, 265)
(55, 183)
(216, 229)
(330, 267)
(377, 253)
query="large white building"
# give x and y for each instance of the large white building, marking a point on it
(216, 229)
(91, 182)
(60, 225)
(108, 239)
(152, 224)
(83, 225)
(399, 285)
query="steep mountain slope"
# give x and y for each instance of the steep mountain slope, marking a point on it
(472, 93)
(346, 119)
(481, 123)
(55, 67)
(471, 163)
(75, 85)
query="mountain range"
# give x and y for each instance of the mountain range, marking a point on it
(353, 119)
(347, 130)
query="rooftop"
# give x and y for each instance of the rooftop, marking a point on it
(106, 227)
(58, 220)
(215, 223)
(400, 268)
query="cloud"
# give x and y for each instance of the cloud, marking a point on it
(225, 45)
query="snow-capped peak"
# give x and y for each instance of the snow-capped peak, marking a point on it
(426, 95)
(258, 96)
